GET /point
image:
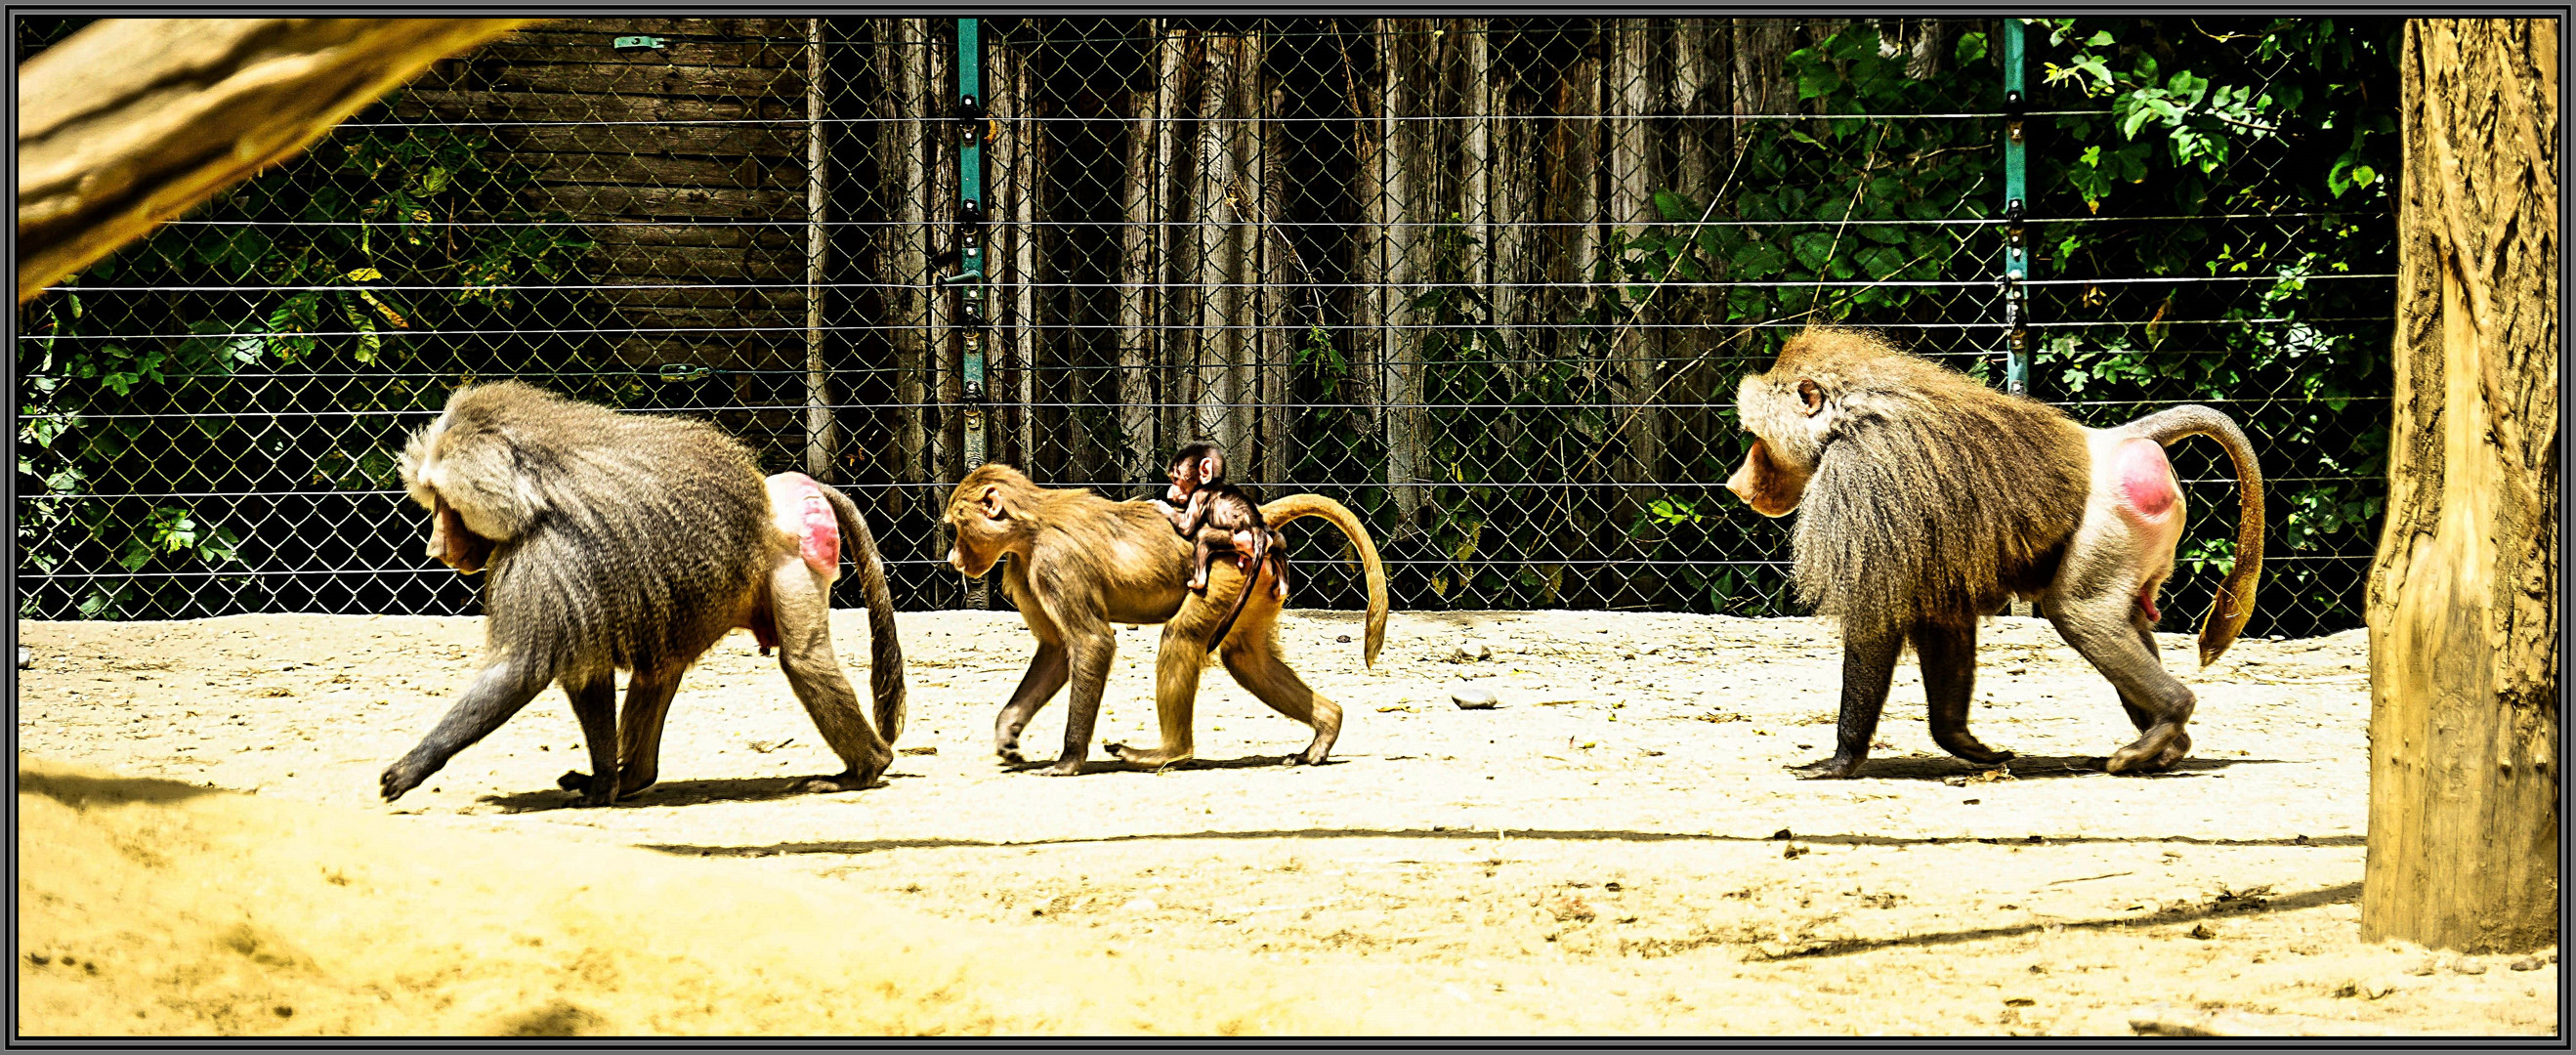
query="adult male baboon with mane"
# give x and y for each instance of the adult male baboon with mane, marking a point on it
(1080, 563)
(633, 542)
(1931, 500)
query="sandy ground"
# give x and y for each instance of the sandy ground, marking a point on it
(1617, 848)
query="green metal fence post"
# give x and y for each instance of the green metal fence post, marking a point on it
(974, 322)
(2016, 239)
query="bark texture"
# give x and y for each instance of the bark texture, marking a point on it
(131, 122)
(2464, 593)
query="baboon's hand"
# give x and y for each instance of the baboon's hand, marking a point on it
(405, 774)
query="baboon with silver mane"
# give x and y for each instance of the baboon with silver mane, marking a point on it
(1927, 500)
(633, 542)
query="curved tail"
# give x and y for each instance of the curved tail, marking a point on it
(1282, 510)
(2235, 601)
(885, 651)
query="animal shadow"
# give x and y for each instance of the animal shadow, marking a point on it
(678, 793)
(1115, 765)
(2032, 767)
(79, 791)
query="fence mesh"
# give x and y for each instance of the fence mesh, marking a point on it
(1490, 284)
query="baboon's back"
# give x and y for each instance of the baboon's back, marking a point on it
(650, 531)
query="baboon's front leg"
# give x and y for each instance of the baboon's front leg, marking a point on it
(1088, 652)
(498, 692)
(1869, 659)
(1949, 658)
(1046, 676)
(594, 703)
(639, 734)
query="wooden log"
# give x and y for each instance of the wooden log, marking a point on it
(559, 47)
(819, 438)
(131, 122)
(2463, 603)
(1632, 184)
(1145, 203)
(788, 32)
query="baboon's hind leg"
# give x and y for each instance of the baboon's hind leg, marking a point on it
(2111, 633)
(1949, 658)
(1251, 654)
(800, 604)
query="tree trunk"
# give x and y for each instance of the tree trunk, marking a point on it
(1217, 227)
(1279, 311)
(1632, 207)
(1017, 240)
(130, 122)
(947, 350)
(818, 376)
(2463, 608)
(1574, 206)
(1141, 259)
(902, 146)
(1405, 62)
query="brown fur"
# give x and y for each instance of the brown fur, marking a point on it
(1901, 524)
(626, 542)
(1079, 563)
(1930, 500)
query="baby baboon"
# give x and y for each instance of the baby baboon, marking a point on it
(1216, 515)
(633, 542)
(1930, 500)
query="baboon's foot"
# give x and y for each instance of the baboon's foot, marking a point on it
(846, 780)
(1969, 748)
(628, 784)
(2156, 752)
(405, 774)
(1197, 583)
(1010, 753)
(1149, 757)
(1064, 767)
(1313, 755)
(1835, 768)
(594, 792)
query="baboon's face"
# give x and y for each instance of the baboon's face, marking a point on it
(981, 528)
(1789, 417)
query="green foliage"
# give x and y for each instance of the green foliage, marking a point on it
(319, 243)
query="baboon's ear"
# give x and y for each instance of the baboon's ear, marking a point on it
(1812, 395)
(1208, 471)
(992, 502)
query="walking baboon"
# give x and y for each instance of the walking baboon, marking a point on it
(1931, 500)
(1217, 515)
(1080, 563)
(633, 542)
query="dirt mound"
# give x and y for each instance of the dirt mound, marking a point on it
(156, 907)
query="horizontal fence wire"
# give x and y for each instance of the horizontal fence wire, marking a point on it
(1489, 283)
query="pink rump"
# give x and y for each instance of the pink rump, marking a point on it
(797, 505)
(2146, 479)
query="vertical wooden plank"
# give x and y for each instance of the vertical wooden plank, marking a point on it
(902, 154)
(1632, 179)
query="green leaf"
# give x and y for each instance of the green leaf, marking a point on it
(1970, 48)
(1814, 249)
(1817, 81)
(1674, 208)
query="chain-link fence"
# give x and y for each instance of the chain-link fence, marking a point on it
(1489, 283)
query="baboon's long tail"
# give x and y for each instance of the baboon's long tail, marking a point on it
(1282, 510)
(2235, 601)
(885, 651)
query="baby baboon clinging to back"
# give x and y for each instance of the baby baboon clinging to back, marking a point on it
(1216, 515)
(1930, 500)
(633, 542)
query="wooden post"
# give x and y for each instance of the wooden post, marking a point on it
(2463, 607)
(818, 396)
(131, 122)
